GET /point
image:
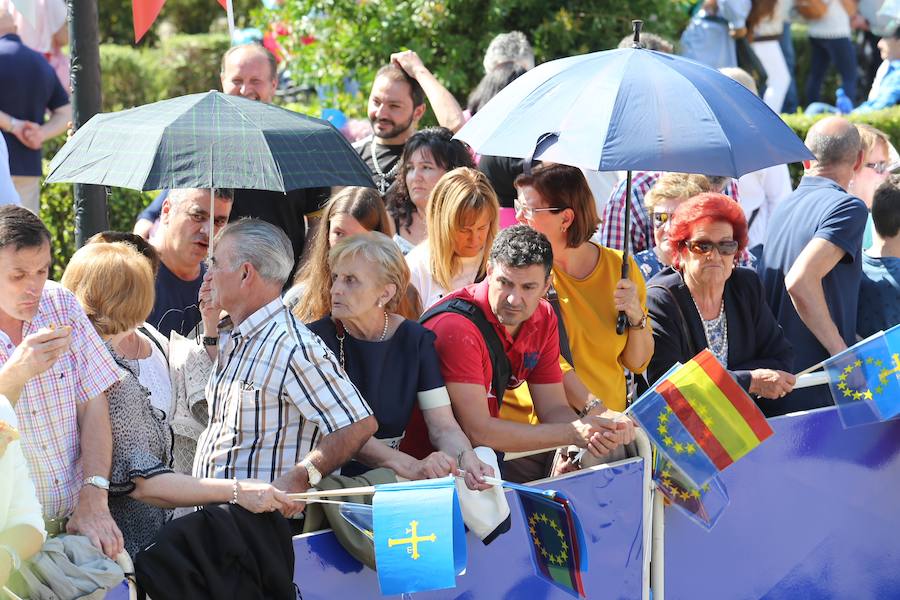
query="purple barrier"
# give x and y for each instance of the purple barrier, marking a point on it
(608, 501)
(813, 514)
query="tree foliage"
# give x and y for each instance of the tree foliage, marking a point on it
(353, 38)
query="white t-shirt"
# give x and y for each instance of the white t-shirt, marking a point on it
(154, 375)
(18, 502)
(762, 191)
(420, 277)
(8, 193)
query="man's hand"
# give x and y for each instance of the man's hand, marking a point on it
(625, 298)
(92, 519)
(210, 312)
(259, 496)
(30, 134)
(409, 61)
(770, 383)
(599, 435)
(476, 471)
(433, 466)
(39, 351)
(295, 481)
(624, 424)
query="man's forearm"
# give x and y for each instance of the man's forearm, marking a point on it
(812, 308)
(339, 446)
(446, 108)
(509, 436)
(58, 122)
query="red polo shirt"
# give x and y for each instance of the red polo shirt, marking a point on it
(533, 354)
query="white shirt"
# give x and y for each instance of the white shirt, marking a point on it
(430, 291)
(8, 193)
(18, 502)
(761, 192)
(153, 374)
(37, 25)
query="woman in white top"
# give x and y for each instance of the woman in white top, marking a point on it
(21, 524)
(766, 23)
(462, 222)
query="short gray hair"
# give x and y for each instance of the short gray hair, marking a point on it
(261, 244)
(832, 144)
(509, 47)
(176, 196)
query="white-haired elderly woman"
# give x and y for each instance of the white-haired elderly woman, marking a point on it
(392, 361)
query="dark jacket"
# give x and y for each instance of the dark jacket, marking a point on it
(222, 552)
(755, 340)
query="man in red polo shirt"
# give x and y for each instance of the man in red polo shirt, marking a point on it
(511, 298)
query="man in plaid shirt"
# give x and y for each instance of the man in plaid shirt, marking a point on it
(55, 370)
(612, 226)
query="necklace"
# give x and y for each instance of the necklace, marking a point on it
(383, 183)
(716, 332)
(342, 333)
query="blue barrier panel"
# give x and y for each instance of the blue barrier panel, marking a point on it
(813, 514)
(608, 501)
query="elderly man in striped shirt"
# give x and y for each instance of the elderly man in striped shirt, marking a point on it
(281, 409)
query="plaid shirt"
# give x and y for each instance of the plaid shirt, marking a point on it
(274, 388)
(47, 406)
(612, 229)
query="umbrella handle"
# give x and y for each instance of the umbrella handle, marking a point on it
(621, 322)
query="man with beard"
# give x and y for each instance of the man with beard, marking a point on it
(396, 104)
(182, 249)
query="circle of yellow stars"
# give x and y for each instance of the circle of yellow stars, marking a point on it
(676, 490)
(849, 392)
(559, 558)
(668, 441)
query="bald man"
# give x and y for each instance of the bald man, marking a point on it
(811, 264)
(251, 71)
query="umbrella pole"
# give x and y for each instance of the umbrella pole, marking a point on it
(212, 211)
(622, 321)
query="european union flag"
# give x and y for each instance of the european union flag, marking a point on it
(557, 539)
(865, 379)
(420, 539)
(703, 505)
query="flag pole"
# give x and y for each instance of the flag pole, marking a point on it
(229, 9)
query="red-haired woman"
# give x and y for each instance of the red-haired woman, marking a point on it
(705, 301)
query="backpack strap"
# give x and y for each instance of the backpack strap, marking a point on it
(499, 361)
(564, 348)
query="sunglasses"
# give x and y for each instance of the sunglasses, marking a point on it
(660, 219)
(704, 247)
(880, 167)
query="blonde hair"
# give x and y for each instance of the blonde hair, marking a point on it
(869, 137)
(364, 205)
(385, 257)
(458, 199)
(114, 285)
(676, 185)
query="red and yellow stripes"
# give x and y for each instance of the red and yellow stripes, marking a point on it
(711, 405)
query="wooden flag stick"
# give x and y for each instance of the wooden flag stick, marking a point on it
(815, 367)
(358, 491)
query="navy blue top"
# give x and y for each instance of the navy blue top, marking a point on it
(154, 209)
(388, 374)
(755, 341)
(176, 307)
(818, 208)
(28, 88)
(879, 295)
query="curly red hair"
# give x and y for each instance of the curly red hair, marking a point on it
(705, 208)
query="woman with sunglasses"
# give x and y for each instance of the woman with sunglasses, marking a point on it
(705, 301)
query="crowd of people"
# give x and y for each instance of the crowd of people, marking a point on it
(465, 307)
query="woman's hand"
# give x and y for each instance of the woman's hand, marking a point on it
(476, 470)
(259, 496)
(770, 383)
(433, 466)
(626, 299)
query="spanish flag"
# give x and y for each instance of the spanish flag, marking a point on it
(700, 418)
(144, 13)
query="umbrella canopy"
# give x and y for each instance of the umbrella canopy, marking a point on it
(634, 109)
(205, 141)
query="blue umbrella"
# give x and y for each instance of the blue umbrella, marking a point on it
(633, 109)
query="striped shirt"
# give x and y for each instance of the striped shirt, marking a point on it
(47, 406)
(612, 226)
(275, 390)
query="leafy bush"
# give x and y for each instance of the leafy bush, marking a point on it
(129, 77)
(190, 64)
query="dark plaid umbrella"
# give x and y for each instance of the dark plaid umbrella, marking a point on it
(205, 141)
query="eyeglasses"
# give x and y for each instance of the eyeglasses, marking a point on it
(660, 219)
(880, 167)
(704, 247)
(528, 212)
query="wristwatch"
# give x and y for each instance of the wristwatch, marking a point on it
(312, 473)
(640, 324)
(210, 341)
(97, 481)
(13, 123)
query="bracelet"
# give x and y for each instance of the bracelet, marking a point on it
(13, 555)
(234, 492)
(640, 324)
(589, 407)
